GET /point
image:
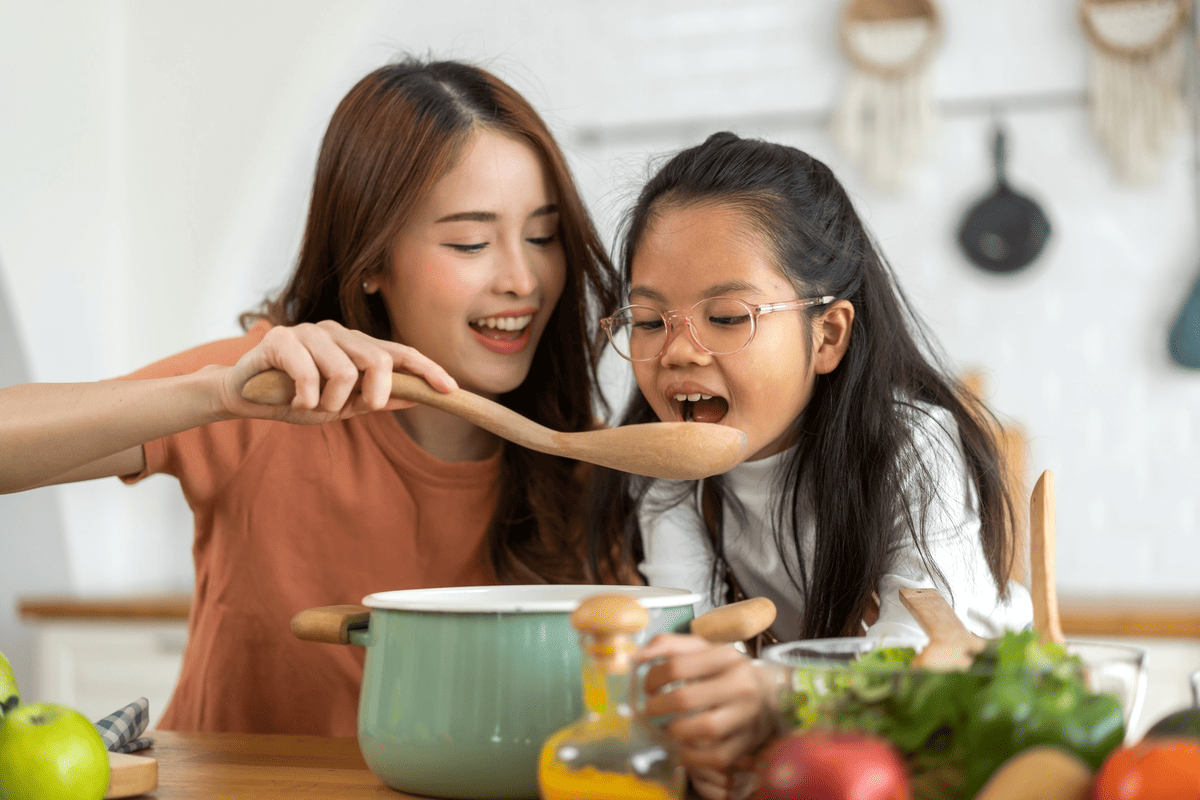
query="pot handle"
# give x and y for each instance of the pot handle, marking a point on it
(330, 624)
(735, 622)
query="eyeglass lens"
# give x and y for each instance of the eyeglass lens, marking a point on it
(721, 325)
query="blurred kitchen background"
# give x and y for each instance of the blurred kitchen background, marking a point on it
(155, 160)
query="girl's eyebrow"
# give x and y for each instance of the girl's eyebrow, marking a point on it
(492, 216)
(645, 293)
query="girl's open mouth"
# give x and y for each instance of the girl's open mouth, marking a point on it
(503, 334)
(700, 407)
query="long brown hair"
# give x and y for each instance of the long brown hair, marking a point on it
(399, 130)
(856, 471)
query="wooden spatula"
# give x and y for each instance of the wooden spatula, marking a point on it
(1041, 559)
(951, 645)
(673, 450)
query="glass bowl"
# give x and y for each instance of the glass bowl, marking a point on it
(956, 727)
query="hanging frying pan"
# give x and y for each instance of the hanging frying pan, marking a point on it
(1006, 230)
(1185, 334)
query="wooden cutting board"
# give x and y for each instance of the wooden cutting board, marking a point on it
(131, 775)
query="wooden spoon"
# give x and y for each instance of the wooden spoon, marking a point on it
(951, 646)
(1041, 560)
(675, 450)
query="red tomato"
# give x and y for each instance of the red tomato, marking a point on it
(1155, 769)
(825, 765)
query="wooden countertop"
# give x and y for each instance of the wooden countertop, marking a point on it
(233, 766)
(1081, 615)
(244, 766)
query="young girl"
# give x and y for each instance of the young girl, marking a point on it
(758, 300)
(445, 238)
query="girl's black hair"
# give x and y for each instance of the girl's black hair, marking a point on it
(855, 469)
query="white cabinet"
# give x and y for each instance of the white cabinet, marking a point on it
(99, 666)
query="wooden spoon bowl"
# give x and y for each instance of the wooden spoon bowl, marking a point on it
(673, 450)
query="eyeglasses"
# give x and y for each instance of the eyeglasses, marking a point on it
(720, 326)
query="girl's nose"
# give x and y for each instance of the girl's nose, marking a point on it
(516, 274)
(682, 347)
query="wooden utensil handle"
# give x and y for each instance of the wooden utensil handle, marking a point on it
(329, 624)
(735, 622)
(1041, 559)
(276, 388)
(937, 617)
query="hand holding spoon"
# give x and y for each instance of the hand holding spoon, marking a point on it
(673, 450)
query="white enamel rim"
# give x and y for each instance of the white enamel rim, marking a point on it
(532, 599)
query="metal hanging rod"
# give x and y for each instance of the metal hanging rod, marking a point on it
(595, 135)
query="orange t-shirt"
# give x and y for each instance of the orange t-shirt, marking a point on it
(290, 517)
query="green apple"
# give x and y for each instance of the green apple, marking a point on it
(10, 696)
(51, 752)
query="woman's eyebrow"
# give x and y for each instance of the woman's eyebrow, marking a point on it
(492, 216)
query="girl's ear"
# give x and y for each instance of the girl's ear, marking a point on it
(832, 336)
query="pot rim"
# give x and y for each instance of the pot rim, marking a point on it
(527, 599)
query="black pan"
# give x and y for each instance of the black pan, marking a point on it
(1185, 333)
(1006, 230)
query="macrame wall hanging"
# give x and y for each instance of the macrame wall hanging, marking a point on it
(1135, 95)
(886, 109)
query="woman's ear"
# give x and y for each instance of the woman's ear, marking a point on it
(831, 334)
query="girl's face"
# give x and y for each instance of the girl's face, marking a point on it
(476, 272)
(692, 253)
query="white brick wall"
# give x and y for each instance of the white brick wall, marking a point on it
(1074, 346)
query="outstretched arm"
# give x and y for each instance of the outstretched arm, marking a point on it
(54, 433)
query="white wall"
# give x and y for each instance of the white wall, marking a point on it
(155, 156)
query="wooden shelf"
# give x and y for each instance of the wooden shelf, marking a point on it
(1082, 615)
(1174, 617)
(143, 608)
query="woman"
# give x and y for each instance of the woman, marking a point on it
(445, 238)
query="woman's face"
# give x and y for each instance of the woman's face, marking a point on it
(693, 253)
(476, 272)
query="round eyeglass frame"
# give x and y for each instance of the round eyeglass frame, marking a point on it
(669, 318)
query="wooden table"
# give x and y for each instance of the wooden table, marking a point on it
(233, 766)
(248, 766)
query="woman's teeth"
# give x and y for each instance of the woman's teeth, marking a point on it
(504, 323)
(692, 397)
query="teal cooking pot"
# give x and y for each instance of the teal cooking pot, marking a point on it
(461, 686)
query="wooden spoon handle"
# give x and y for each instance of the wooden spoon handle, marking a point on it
(1041, 559)
(735, 622)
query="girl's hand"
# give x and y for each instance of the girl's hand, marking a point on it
(720, 706)
(331, 353)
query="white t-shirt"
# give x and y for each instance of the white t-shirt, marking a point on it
(678, 554)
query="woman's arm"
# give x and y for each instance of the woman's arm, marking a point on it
(54, 433)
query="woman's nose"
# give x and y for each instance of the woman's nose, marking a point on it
(517, 275)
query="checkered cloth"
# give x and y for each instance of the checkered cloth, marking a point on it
(122, 730)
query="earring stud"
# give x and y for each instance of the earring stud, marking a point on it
(367, 286)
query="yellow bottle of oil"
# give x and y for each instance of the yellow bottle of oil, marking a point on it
(609, 754)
